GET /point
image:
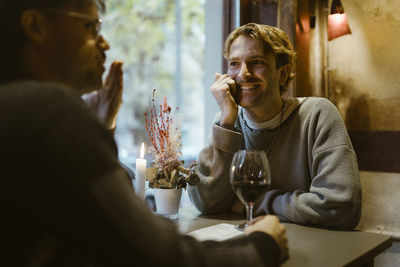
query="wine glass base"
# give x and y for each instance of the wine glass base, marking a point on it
(241, 227)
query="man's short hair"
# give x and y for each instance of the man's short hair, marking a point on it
(12, 38)
(20, 5)
(273, 40)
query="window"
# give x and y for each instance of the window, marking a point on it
(162, 45)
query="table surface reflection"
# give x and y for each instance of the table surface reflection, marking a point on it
(308, 246)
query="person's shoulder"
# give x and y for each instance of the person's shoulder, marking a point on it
(313, 100)
(316, 104)
(32, 94)
(28, 90)
(35, 102)
(320, 109)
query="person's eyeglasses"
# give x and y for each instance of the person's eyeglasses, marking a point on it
(94, 23)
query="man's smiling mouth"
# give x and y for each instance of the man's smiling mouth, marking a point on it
(248, 86)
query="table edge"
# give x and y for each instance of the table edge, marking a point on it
(364, 258)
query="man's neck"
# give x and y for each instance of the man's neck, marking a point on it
(264, 113)
(36, 67)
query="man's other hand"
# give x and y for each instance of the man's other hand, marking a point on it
(107, 101)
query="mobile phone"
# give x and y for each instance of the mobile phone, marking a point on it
(235, 92)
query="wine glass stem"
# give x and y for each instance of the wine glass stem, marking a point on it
(249, 212)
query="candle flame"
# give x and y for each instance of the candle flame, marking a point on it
(142, 151)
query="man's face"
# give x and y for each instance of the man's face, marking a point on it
(256, 76)
(74, 50)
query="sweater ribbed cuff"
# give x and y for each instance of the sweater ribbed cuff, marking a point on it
(226, 140)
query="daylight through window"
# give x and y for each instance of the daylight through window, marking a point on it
(162, 45)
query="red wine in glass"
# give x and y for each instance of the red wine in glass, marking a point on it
(250, 178)
(249, 192)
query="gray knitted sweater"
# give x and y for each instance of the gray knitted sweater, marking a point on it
(315, 178)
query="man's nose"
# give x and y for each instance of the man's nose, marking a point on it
(244, 71)
(102, 43)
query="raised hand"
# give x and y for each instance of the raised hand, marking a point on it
(107, 101)
(270, 225)
(224, 91)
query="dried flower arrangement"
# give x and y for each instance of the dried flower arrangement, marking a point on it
(167, 170)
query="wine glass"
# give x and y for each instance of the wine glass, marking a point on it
(250, 178)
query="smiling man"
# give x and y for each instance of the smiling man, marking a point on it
(314, 169)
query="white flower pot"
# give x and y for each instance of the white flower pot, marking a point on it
(167, 202)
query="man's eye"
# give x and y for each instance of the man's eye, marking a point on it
(92, 27)
(234, 64)
(257, 62)
(89, 25)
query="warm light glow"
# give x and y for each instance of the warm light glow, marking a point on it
(338, 19)
(142, 151)
(337, 25)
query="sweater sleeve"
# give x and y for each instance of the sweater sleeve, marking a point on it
(214, 193)
(334, 196)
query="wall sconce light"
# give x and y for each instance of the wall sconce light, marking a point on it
(337, 21)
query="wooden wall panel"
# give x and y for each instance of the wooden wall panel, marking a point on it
(360, 74)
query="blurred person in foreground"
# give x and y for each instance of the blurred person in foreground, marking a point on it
(65, 199)
(62, 46)
(315, 179)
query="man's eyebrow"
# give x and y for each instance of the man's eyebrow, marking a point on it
(252, 57)
(258, 57)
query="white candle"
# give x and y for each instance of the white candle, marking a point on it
(140, 175)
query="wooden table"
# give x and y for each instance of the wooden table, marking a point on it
(308, 246)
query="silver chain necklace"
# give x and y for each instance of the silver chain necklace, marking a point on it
(275, 135)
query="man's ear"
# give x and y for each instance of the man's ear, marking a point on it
(284, 73)
(33, 24)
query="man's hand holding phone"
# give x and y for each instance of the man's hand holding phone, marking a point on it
(225, 93)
